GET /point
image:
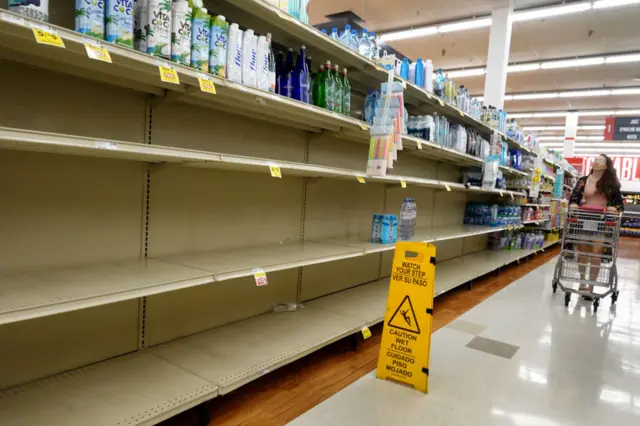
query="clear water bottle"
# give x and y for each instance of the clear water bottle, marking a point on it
(354, 40)
(375, 50)
(407, 222)
(334, 34)
(345, 37)
(364, 46)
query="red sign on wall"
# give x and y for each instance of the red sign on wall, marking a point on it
(628, 168)
(609, 128)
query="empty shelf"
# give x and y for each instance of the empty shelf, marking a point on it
(137, 389)
(228, 264)
(45, 292)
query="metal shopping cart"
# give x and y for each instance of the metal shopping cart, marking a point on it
(588, 256)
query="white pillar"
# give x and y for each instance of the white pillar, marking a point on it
(495, 81)
(570, 131)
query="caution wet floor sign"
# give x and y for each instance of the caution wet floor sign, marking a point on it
(404, 350)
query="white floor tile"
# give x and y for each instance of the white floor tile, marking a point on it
(572, 367)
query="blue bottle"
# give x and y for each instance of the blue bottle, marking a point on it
(334, 34)
(404, 69)
(287, 76)
(301, 77)
(419, 73)
(345, 37)
(324, 31)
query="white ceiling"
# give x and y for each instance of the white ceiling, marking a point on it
(615, 30)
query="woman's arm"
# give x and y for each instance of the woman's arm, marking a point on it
(578, 191)
(615, 200)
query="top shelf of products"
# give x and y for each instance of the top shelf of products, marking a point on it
(134, 70)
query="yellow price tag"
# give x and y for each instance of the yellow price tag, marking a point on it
(168, 74)
(419, 143)
(46, 37)
(461, 113)
(403, 183)
(360, 179)
(441, 103)
(501, 194)
(511, 193)
(98, 53)
(207, 85)
(363, 127)
(366, 333)
(447, 187)
(260, 276)
(275, 171)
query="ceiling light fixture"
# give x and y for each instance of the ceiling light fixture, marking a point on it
(523, 67)
(549, 12)
(586, 113)
(525, 96)
(570, 63)
(518, 16)
(466, 73)
(620, 92)
(603, 4)
(621, 59)
(584, 93)
(560, 128)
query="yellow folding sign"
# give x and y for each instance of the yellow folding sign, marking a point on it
(406, 336)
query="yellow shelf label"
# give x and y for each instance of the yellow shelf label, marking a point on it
(366, 333)
(501, 194)
(98, 53)
(168, 74)
(363, 127)
(207, 85)
(447, 187)
(260, 277)
(441, 103)
(46, 37)
(419, 143)
(360, 179)
(511, 193)
(461, 113)
(403, 183)
(275, 171)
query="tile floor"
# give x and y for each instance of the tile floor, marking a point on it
(571, 367)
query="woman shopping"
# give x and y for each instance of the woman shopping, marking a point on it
(600, 189)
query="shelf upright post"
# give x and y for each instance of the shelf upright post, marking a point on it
(308, 136)
(146, 210)
(498, 56)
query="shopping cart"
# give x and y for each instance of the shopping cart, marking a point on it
(590, 236)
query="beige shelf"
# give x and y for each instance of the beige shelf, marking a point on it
(434, 151)
(39, 293)
(236, 263)
(535, 221)
(427, 235)
(138, 389)
(233, 355)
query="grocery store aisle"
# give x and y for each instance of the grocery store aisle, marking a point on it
(518, 358)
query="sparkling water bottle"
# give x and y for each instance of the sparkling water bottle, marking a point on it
(364, 45)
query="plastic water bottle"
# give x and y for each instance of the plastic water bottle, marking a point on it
(407, 222)
(334, 34)
(354, 40)
(345, 37)
(439, 87)
(364, 46)
(324, 31)
(375, 51)
(419, 73)
(404, 69)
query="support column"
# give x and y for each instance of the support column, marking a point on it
(495, 81)
(570, 131)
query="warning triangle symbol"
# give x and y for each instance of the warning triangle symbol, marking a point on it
(404, 318)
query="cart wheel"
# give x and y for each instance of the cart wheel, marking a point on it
(567, 299)
(554, 286)
(596, 303)
(614, 297)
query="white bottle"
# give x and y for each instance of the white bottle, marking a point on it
(262, 74)
(159, 30)
(428, 75)
(234, 54)
(248, 59)
(271, 66)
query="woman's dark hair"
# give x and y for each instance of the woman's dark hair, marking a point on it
(609, 182)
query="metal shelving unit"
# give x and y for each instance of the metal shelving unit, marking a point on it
(137, 211)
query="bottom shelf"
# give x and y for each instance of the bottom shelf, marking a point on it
(150, 386)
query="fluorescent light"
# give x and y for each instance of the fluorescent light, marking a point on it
(584, 93)
(617, 92)
(602, 4)
(592, 127)
(520, 115)
(619, 59)
(466, 73)
(594, 113)
(523, 67)
(524, 96)
(465, 25)
(414, 33)
(570, 63)
(620, 150)
(549, 114)
(548, 12)
(578, 138)
(543, 128)
(627, 112)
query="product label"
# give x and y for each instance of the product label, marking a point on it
(90, 18)
(360, 179)
(366, 333)
(260, 276)
(98, 53)
(48, 37)
(207, 85)
(181, 39)
(403, 184)
(119, 22)
(168, 74)
(275, 171)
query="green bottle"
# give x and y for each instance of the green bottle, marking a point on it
(346, 94)
(329, 87)
(338, 89)
(319, 89)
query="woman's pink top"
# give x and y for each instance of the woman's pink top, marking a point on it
(591, 198)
